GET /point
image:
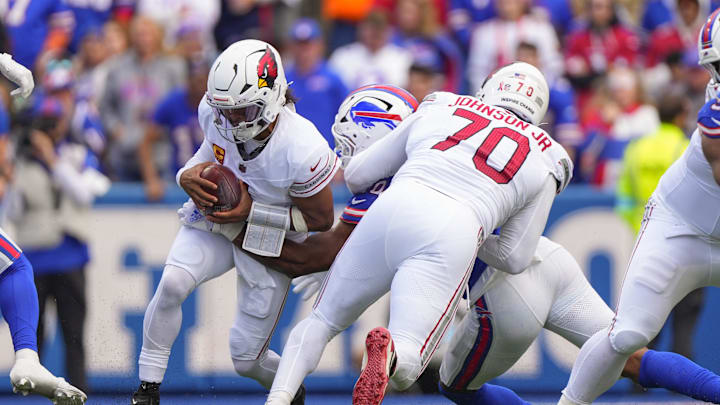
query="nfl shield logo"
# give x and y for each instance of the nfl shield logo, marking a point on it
(241, 167)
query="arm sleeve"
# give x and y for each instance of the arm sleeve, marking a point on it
(382, 159)
(315, 173)
(512, 251)
(203, 154)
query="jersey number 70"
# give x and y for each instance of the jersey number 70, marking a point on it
(477, 124)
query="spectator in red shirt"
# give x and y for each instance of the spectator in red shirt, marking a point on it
(600, 43)
(680, 34)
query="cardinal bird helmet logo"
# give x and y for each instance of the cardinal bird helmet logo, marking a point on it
(267, 69)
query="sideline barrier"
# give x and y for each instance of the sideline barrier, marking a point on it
(129, 242)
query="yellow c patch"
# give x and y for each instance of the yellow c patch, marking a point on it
(219, 153)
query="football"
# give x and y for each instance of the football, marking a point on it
(228, 190)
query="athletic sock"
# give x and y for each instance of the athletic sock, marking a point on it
(679, 374)
(19, 304)
(488, 394)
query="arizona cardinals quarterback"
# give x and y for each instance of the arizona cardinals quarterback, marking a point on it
(251, 127)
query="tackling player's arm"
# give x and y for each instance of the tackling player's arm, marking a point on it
(512, 251)
(314, 254)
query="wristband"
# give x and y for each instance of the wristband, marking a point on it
(266, 228)
(298, 220)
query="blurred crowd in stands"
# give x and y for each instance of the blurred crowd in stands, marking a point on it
(125, 76)
(119, 82)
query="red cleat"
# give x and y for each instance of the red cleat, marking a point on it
(378, 362)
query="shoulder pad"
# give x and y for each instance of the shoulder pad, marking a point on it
(436, 97)
(561, 166)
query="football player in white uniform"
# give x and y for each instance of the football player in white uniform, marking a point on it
(18, 295)
(676, 251)
(552, 293)
(462, 166)
(251, 127)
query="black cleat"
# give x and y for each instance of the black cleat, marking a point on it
(299, 396)
(147, 394)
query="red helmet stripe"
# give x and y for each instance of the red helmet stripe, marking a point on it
(707, 28)
(386, 116)
(400, 92)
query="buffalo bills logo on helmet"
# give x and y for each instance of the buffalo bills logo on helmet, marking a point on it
(267, 69)
(367, 115)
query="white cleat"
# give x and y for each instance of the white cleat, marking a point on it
(28, 376)
(66, 394)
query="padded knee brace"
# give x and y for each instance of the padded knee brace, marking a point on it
(175, 285)
(627, 341)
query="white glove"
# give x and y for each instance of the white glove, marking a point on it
(308, 284)
(18, 74)
(190, 216)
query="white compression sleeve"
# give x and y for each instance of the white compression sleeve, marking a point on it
(596, 369)
(161, 325)
(512, 251)
(301, 355)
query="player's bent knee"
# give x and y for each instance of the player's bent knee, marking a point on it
(246, 368)
(175, 285)
(627, 341)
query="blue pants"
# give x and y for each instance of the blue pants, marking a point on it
(19, 303)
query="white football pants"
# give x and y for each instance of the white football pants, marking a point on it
(670, 260)
(417, 243)
(195, 257)
(501, 324)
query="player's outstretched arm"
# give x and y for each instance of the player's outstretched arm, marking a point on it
(711, 150)
(513, 250)
(314, 254)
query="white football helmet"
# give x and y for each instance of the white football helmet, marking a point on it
(709, 46)
(519, 87)
(246, 89)
(366, 115)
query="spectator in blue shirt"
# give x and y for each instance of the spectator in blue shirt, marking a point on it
(463, 15)
(319, 90)
(418, 31)
(176, 120)
(36, 26)
(91, 14)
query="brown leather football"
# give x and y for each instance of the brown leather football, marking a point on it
(228, 191)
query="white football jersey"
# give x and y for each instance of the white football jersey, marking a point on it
(480, 154)
(689, 189)
(296, 161)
